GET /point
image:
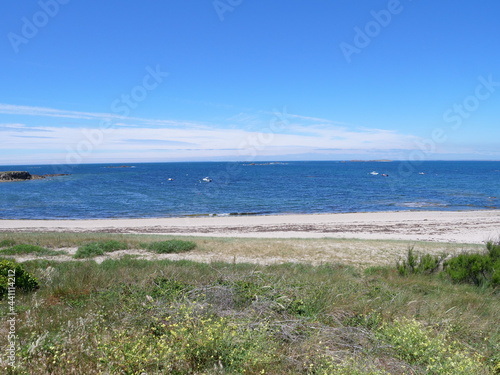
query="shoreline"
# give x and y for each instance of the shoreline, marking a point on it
(436, 226)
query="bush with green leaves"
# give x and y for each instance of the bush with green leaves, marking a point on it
(93, 249)
(474, 269)
(477, 269)
(419, 264)
(419, 345)
(13, 271)
(493, 250)
(170, 246)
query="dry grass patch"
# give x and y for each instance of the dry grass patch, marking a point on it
(355, 252)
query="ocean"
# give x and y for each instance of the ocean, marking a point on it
(142, 190)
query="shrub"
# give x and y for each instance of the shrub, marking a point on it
(93, 249)
(89, 250)
(112, 245)
(29, 249)
(189, 342)
(23, 280)
(418, 264)
(170, 246)
(493, 250)
(418, 345)
(169, 289)
(475, 269)
(6, 243)
(495, 278)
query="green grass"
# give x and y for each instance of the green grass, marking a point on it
(14, 278)
(170, 246)
(7, 243)
(135, 316)
(93, 249)
(25, 249)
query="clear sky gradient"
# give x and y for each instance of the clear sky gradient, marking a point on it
(129, 81)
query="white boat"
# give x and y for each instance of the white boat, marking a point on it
(206, 179)
(374, 173)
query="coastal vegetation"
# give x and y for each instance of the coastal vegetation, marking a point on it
(479, 269)
(23, 249)
(24, 281)
(170, 246)
(134, 316)
(93, 249)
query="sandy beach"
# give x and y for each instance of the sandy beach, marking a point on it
(436, 226)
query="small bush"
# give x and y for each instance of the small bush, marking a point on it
(29, 249)
(474, 269)
(419, 345)
(169, 289)
(112, 245)
(170, 246)
(13, 271)
(418, 264)
(89, 250)
(477, 269)
(93, 249)
(7, 243)
(493, 250)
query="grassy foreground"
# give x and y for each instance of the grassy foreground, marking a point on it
(131, 316)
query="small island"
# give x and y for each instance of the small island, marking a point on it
(367, 161)
(14, 176)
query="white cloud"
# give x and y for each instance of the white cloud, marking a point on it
(157, 140)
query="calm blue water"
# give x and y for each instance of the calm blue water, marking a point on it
(96, 191)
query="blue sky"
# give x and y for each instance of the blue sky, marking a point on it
(130, 81)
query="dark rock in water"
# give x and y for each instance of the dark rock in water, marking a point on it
(23, 176)
(15, 176)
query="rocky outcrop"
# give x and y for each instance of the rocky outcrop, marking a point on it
(15, 176)
(23, 176)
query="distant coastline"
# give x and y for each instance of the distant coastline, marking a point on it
(368, 161)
